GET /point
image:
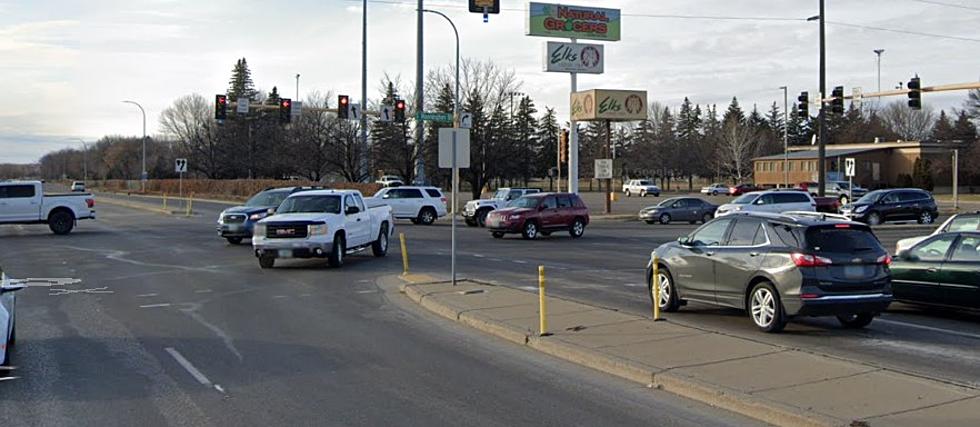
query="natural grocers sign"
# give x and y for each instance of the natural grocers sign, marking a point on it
(605, 104)
(565, 57)
(574, 22)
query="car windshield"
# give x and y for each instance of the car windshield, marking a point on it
(500, 195)
(267, 198)
(965, 223)
(525, 202)
(310, 204)
(667, 202)
(872, 197)
(843, 185)
(745, 199)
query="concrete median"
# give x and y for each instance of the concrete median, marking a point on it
(778, 385)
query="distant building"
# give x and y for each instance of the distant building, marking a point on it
(877, 164)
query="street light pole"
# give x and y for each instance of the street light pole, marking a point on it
(455, 125)
(822, 118)
(878, 53)
(84, 158)
(419, 102)
(143, 174)
(297, 87)
(363, 124)
(785, 135)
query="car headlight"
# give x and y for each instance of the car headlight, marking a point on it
(258, 216)
(318, 229)
(259, 230)
(861, 209)
(737, 208)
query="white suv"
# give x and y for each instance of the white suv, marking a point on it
(422, 205)
(773, 201)
(641, 187)
(390, 181)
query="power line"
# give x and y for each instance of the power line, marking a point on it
(917, 33)
(939, 3)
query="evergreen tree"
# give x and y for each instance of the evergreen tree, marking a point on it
(964, 130)
(527, 144)
(798, 128)
(711, 141)
(477, 174)
(972, 104)
(943, 129)
(273, 98)
(390, 143)
(734, 112)
(546, 136)
(687, 156)
(443, 104)
(241, 85)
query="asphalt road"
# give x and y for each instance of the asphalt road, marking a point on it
(169, 325)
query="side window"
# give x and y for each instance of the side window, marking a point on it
(348, 202)
(514, 194)
(712, 234)
(967, 249)
(577, 201)
(934, 250)
(394, 194)
(549, 203)
(359, 202)
(960, 223)
(784, 235)
(412, 193)
(432, 192)
(760, 236)
(765, 199)
(564, 202)
(743, 233)
(19, 191)
(890, 198)
(682, 203)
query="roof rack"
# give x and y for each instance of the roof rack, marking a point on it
(818, 215)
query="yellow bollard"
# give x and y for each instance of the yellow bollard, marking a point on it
(190, 204)
(543, 307)
(165, 201)
(401, 236)
(656, 289)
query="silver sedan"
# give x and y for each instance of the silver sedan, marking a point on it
(690, 209)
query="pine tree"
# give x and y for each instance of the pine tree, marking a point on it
(798, 128)
(443, 104)
(546, 135)
(273, 98)
(390, 143)
(528, 146)
(711, 141)
(476, 175)
(964, 129)
(943, 129)
(734, 112)
(241, 85)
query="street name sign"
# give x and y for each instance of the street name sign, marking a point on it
(436, 117)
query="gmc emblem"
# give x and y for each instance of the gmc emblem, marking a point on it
(285, 231)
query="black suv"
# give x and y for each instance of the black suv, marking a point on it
(896, 204)
(236, 223)
(777, 267)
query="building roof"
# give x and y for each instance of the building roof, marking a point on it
(813, 154)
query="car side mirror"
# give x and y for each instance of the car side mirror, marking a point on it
(351, 210)
(271, 211)
(684, 241)
(386, 196)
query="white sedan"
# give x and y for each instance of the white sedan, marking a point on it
(715, 189)
(7, 335)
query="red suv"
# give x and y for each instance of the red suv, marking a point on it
(741, 189)
(541, 213)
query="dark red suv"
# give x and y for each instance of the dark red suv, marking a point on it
(540, 214)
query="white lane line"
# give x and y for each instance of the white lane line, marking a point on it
(202, 291)
(479, 256)
(278, 297)
(146, 295)
(528, 288)
(184, 363)
(166, 304)
(520, 262)
(931, 328)
(369, 291)
(635, 285)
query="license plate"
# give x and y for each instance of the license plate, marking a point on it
(285, 253)
(853, 271)
(234, 227)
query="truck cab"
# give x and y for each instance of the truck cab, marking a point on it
(24, 202)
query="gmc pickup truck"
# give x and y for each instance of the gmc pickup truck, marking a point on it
(322, 224)
(24, 202)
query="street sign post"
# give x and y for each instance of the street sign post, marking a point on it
(461, 139)
(387, 113)
(603, 168)
(849, 167)
(180, 166)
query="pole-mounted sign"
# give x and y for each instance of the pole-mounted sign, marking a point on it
(563, 57)
(573, 22)
(180, 165)
(613, 105)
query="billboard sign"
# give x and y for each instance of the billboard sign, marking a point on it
(573, 22)
(604, 104)
(564, 57)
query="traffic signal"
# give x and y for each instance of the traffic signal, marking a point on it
(285, 110)
(400, 111)
(837, 103)
(915, 93)
(343, 107)
(563, 146)
(220, 107)
(803, 108)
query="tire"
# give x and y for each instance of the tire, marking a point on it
(481, 217)
(664, 219)
(925, 217)
(855, 321)
(707, 217)
(643, 193)
(61, 222)
(766, 309)
(380, 246)
(874, 218)
(530, 230)
(577, 229)
(427, 216)
(628, 194)
(13, 334)
(692, 222)
(669, 302)
(470, 222)
(497, 235)
(714, 192)
(414, 221)
(336, 257)
(234, 240)
(267, 262)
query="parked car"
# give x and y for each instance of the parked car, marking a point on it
(641, 187)
(773, 201)
(24, 202)
(323, 224)
(715, 189)
(236, 223)
(78, 187)
(390, 181)
(824, 204)
(690, 209)
(421, 205)
(741, 189)
(475, 211)
(842, 190)
(540, 214)
(955, 223)
(942, 270)
(898, 204)
(8, 332)
(777, 267)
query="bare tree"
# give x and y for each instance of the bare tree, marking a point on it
(908, 124)
(189, 121)
(737, 146)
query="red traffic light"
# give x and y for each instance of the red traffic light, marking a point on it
(285, 104)
(400, 105)
(222, 100)
(344, 101)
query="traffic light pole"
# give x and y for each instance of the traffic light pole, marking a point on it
(365, 166)
(419, 103)
(822, 133)
(573, 143)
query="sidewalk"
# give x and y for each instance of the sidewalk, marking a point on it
(774, 384)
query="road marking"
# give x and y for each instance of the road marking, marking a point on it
(479, 256)
(184, 363)
(635, 285)
(166, 304)
(279, 297)
(931, 328)
(202, 291)
(147, 295)
(520, 262)
(370, 291)
(528, 288)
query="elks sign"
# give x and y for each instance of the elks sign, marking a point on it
(574, 22)
(561, 57)
(604, 104)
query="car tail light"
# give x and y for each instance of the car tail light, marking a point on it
(809, 296)
(842, 226)
(90, 203)
(807, 260)
(444, 200)
(885, 259)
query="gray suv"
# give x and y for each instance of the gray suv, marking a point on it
(776, 267)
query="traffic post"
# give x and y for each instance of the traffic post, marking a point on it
(849, 166)
(542, 305)
(655, 288)
(180, 166)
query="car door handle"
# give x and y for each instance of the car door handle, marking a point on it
(753, 254)
(709, 253)
(932, 270)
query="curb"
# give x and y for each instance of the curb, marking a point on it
(141, 206)
(682, 385)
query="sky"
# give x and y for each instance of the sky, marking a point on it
(66, 65)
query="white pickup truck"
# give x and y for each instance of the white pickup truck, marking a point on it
(24, 202)
(322, 224)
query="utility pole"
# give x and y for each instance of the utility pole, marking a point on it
(785, 135)
(878, 53)
(296, 98)
(419, 103)
(822, 119)
(364, 142)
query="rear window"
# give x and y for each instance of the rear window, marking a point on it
(564, 202)
(965, 223)
(841, 240)
(432, 192)
(791, 198)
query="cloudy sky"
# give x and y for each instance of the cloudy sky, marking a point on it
(66, 65)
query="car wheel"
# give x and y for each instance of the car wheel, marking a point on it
(577, 229)
(714, 193)
(855, 321)
(874, 218)
(665, 219)
(497, 235)
(925, 218)
(234, 240)
(692, 222)
(266, 261)
(669, 302)
(427, 216)
(545, 233)
(707, 217)
(336, 258)
(481, 217)
(530, 230)
(628, 194)
(61, 222)
(643, 193)
(470, 222)
(766, 309)
(380, 246)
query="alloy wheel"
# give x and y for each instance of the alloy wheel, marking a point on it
(763, 307)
